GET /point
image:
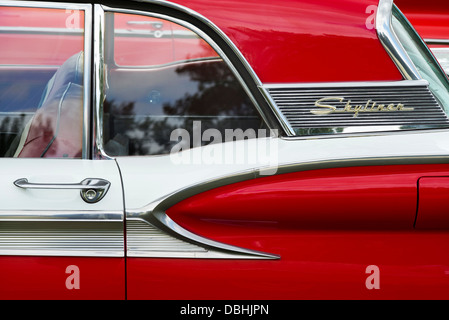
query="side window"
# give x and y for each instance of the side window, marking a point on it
(41, 82)
(161, 76)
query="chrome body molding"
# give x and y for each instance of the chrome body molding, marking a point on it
(144, 223)
(67, 233)
(391, 43)
(436, 41)
(152, 233)
(348, 107)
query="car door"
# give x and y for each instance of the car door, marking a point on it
(238, 189)
(61, 213)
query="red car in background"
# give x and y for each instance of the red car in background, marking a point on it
(195, 149)
(431, 20)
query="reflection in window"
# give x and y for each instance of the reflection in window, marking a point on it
(178, 79)
(41, 81)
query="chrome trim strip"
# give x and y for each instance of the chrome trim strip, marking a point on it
(45, 5)
(154, 213)
(70, 215)
(171, 199)
(194, 246)
(436, 41)
(87, 87)
(99, 81)
(155, 216)
(62, 233)
(391, 43)
(361, 84)
(41, 30)
(62, 238)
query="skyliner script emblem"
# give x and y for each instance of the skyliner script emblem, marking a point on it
(370, 106)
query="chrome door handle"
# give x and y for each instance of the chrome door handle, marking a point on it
(92, 189)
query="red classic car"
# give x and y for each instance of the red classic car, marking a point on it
(431, 20)
(231, 149)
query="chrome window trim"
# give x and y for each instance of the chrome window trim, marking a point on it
(41, 30)
(99, 81)
(45, 5)
(99, 31)
(87, 87)
(71, 215)
(362, 84)
(214, 28)
(391, 43)
(436, 41)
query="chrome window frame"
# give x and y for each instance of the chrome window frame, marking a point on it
(99, 36)
(391, 42)
(87, 34)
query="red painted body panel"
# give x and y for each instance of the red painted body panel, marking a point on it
(316, 41)
(41, 48)
(40, 278)
(430, 18)
(321, 265)
(327, 225)
(164, 50)
(433, 209)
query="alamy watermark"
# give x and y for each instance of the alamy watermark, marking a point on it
(370, 22)
(235, 147)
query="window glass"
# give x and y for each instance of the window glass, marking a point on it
(41, 81)
(421, 56)
(161, 77)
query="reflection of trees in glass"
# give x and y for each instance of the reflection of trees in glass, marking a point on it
(219, 102)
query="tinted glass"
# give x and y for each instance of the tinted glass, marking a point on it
(421, 56)
(161, 77)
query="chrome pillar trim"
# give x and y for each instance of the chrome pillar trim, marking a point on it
(99, 81)
(391, 43)
(87, 84)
